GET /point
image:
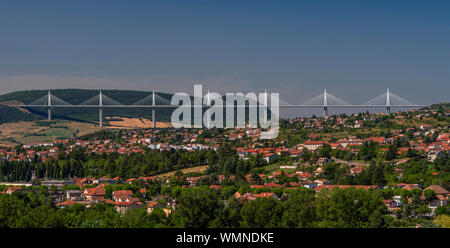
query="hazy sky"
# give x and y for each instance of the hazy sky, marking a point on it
(355, 49)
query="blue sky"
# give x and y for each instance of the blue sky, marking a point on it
(355, 49)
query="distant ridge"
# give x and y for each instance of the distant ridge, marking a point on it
(74, 97)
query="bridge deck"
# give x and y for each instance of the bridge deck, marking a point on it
(240, 106)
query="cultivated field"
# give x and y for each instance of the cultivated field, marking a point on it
(12, 134)
(125, 123)
(26, 132)
(199, 169)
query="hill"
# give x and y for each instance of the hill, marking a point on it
(26, 132)
(10, 114)
(75, 97)
(88, 97)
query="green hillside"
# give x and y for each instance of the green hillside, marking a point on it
(79, 96)
(75, 97)
(9, 114)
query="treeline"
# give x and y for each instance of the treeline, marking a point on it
(226, 162)
(203, 207)
(80, 164)
(78, 96)
(418, 171)
(103, 135)
(10, 114)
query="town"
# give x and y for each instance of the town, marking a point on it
(388, 170)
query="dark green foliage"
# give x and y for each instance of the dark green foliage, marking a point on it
(197, 207)
(10, 114)
(78, 96)
(368, 150)
(79, 164)
(356, 208)
(262, 213)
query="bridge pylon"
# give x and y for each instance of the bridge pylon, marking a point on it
(153, 111)
(100, 109)
(388, 102)
(325, 103)
(49, 106)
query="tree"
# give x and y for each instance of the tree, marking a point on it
(429, 194)
(299, 209)
(423, 210)
(391, 153)
(197, 207)
(228, 191)
(368, 150)
(229, 217)
(355, 208)
(306, 155)
(325, 151)
(262, 213)
(442, 210)
(157, 217)
(442, 221)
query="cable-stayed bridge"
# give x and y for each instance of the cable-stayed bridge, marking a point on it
(323, 101)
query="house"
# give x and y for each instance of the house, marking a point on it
(441, 198)
(321, 182)
(425, 127)
(124, 206)
(408, 187)
(123, 195)
(335, 146)
(215, 187)
(308, 184)
(270, 157)
(69, 203)
(356, 170)
(57, 183)
(263, 195)
(222, 178)
(330, 187)
(143, 192)
(106, 180)
(295, 153)
(402, 161)
(433, 155)
(11, 190)
(124, 200)
(74, 195)
(322, 161)
(392, 205)
(313, 145)
(153, 204)
(96, 194)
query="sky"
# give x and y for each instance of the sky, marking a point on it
(355, 49)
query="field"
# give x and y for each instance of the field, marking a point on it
(198, 169)
(12, 134)
(26, 132)
(124, 123)
(416, 122)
